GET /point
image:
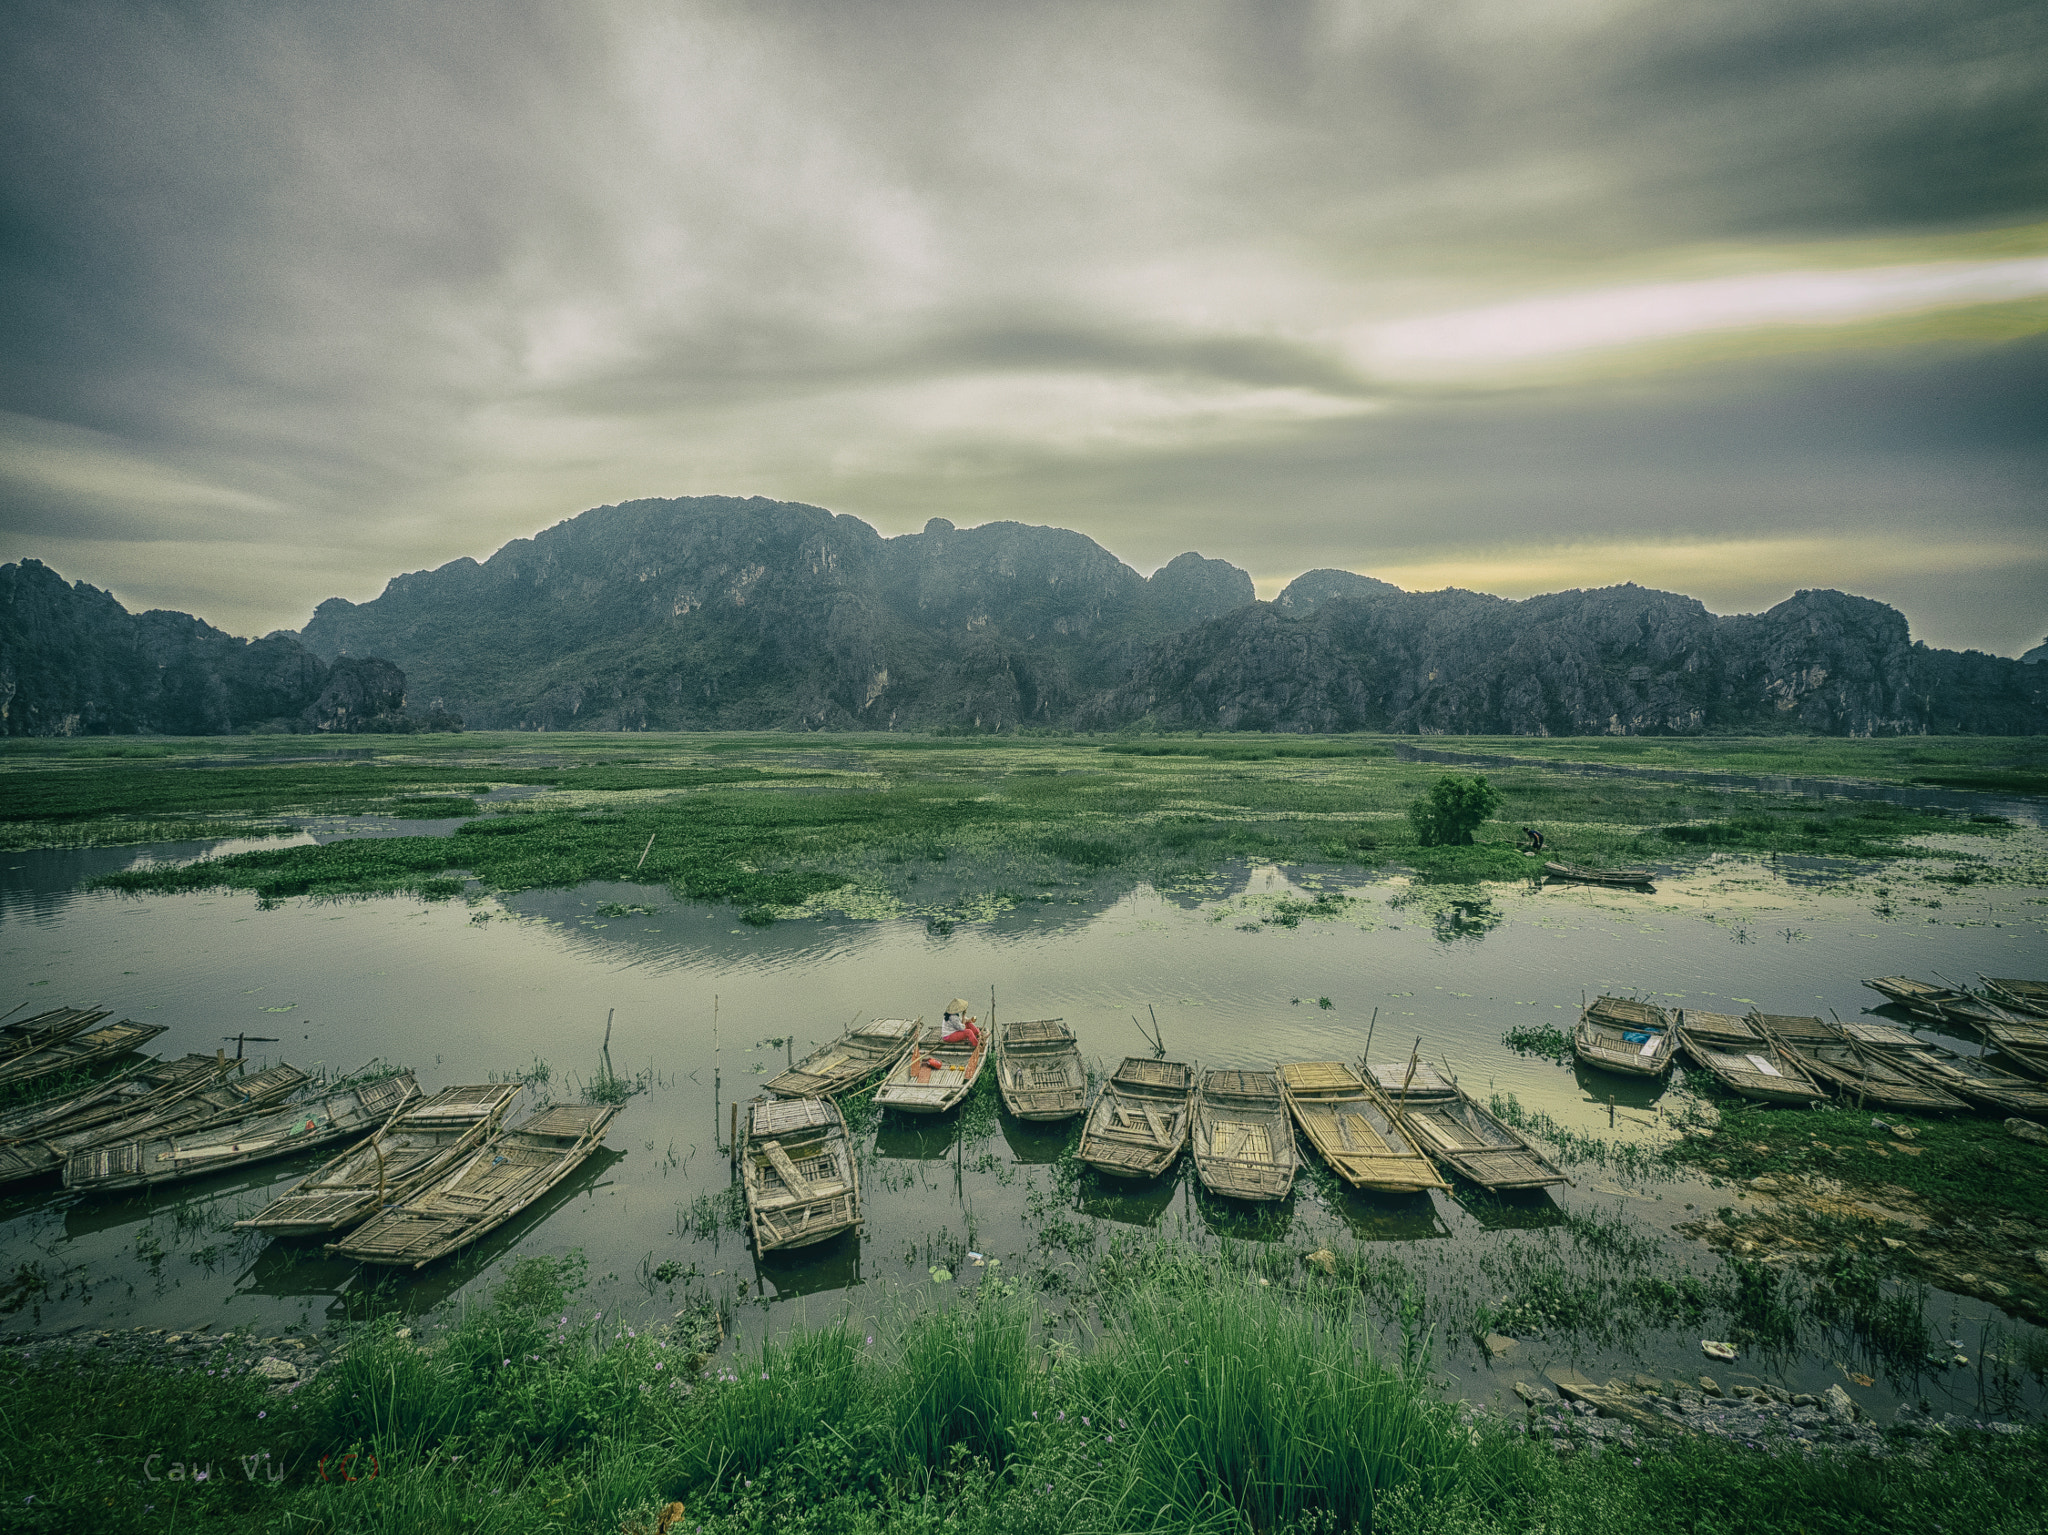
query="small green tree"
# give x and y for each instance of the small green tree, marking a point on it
(1452, 810)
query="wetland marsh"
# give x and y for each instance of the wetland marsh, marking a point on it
(477, 907)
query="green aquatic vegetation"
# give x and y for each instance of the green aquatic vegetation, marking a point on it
(1542, 1039)
(127, 831)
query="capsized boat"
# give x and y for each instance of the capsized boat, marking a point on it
(932, 1077)
(319, 1120)
(1970, 1078)
(1243, 1140)
(477, 1195)
(1625, 1035)
(1039, 1070)
(176, 1097)
(1449, 1124)
(1741, 1059)
(848, 1061)
(1348, 1120)
(1583, 876)
(1140, 1120)
(1837, 1061)
(78, 1048)
(411, 1149)
(801, 1177)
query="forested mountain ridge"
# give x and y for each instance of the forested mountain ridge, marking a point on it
(723, 613)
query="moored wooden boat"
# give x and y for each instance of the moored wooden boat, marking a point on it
(411, 1149)
(1625, 1035)
(2020, 1041)
(315, 1121)
(1348, 1120)
(799, 1172)
(848, 1061)
(932, 1077)
(1448, 1123)
(1942, 1004)
(1970, 1078)
(1140, 1120)
(1841, 1063)
(45, 1028)
(504, 1175)
(192, 1093)
(1039, 1070)
(2018, 995)
(1578, 875)
(81, 1047)
(1243, 1141)
(1741, 1059)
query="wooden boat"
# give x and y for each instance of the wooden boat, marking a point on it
(1039, 1070)
(1243, 1140)
(1570, 871)
(1140, 1120)
(1352, 1125)
(801, 1177)
(44, 1029)
(414, 1147)
(1741, 1059)
(485, 1189)
(1943, 1004)
(315, 1121)
(1448, 1124)
(932, 1077)
(2022, 1042)
(1836, 1061)
(193, 1093)
(848, 1061)
(1971, 1079)
(79, 1048)
(2018, 995)
(1624, 1035)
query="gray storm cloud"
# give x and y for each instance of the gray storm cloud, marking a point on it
(1515, 295)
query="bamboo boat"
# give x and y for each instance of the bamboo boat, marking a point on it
(799, 1172)
(1572, 872)
(1836, 1061)
(932, 1078)
(1355, 1128)
(1140, 1120)
(412, 1148)
(480, 1193)
(1742, 1060)
(2021, 1041)
(1448, 1123)
(45, 1028)
(1242, 1139)
(1940, 1003)
(315, 1121)
(1039, 1070)
(847, 1062)
(2022, 996)
(1971, 1079)
(1627, 1036)
(192, 1093)
(80, 1047)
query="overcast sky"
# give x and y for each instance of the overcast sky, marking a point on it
(1729, 298)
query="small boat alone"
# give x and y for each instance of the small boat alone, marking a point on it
(1837, 1061)
(1625, 1035)
(415, 1146)
(1140, 1120)
(1355, 1128)
(848, 1061)
(1742, 1060)
(316, 1121)
(484, 1190)
(1243, 1141)
(1039, 1070)
(1971, 1079)
(1450, 1125)
(80, 1047)
(932, 1077)
(1620, 877)
(801, 1177)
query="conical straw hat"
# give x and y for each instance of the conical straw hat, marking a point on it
(957, 1005)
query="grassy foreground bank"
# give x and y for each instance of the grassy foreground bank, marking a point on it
(1219, 1406)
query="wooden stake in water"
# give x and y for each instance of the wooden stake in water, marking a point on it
(644, 852)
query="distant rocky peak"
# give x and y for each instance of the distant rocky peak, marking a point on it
(1311, 589)
(1194, 588)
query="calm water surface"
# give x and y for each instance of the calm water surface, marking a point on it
(462, 992)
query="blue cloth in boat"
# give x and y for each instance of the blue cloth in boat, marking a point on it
(1636, 1038)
